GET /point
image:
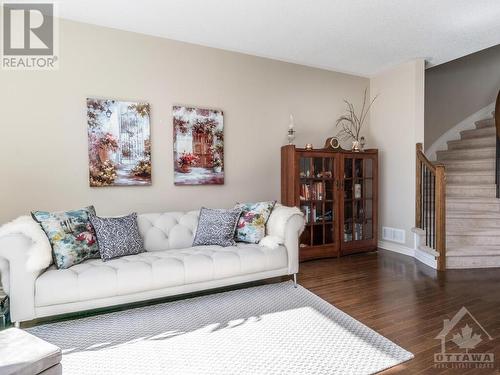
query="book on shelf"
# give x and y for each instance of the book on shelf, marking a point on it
(327, 216)
(307, 213)
(358, 231)
(316, 217)
(315, 191)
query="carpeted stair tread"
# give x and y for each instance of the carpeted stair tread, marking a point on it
(467, 154)
(485, 123)
(488, 232)
(473, 133)
(472, 143)
(473, 251)
(485, 164)
(477, 200)
(473, 215)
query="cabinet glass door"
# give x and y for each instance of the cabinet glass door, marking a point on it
(317, 195)
(358, 198)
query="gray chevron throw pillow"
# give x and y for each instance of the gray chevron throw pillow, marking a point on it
(216, 227)
(117, 236)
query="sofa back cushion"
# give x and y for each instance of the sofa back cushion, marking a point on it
(166, 231)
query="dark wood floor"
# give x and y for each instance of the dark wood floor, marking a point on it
(399, 298)
(407, 302)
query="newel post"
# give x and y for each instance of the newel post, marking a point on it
(418, 188)
(440, 200)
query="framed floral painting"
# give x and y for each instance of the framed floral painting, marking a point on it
(198, 146)
(119, 142)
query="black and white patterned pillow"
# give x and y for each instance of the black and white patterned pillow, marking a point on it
(117, 236)
(216, 227)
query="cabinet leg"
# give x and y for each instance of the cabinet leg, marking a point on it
(295, 280)
(17, 324)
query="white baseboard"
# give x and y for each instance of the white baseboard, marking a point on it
(397, 248)
(426, 258)
(421, 256)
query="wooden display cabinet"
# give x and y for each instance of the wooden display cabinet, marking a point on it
(337, 192)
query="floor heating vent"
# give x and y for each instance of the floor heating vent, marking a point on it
(393, 234)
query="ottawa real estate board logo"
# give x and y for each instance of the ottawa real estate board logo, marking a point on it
(30, 36)
(464, 335)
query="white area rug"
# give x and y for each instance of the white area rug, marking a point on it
(270, 329)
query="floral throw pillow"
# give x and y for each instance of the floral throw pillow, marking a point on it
(251, 226)
(70, 234)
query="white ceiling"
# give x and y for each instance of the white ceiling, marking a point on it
(357, 36)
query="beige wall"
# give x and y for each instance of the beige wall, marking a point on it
(396, 125)
(458, 89)
(43, 144)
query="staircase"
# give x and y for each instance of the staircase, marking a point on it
(472, 209)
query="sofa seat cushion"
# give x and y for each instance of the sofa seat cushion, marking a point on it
(137, 273)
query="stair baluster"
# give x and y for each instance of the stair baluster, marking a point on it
(430, 204)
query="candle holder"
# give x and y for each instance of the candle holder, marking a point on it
(291, 131)
(291, 136)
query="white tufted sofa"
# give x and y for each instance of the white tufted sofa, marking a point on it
(170, 266)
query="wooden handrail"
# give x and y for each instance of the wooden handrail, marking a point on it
(421, 156)
(430, 204)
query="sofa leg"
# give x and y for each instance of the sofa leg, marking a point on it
(295, 280)
(17, 324)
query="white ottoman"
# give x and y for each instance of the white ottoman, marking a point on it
(25, 354)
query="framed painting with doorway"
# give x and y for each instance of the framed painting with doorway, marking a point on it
(119, 142)
(198, 146)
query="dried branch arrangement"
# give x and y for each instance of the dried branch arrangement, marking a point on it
(351, 124)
